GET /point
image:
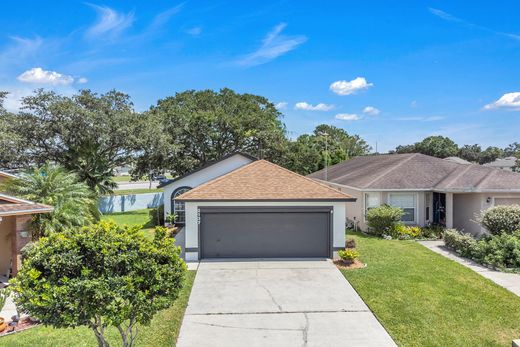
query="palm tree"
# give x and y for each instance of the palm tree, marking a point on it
(75, 204)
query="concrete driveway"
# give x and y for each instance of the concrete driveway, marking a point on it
(277, 303)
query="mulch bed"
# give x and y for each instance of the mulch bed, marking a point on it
(355, 265)
(24, 324)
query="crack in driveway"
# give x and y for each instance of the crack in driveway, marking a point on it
(245, 328)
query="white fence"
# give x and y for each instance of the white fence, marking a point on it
(131, 202)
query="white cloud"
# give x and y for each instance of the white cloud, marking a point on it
(371, 111)
(414, 104)
(82, 80)
(510, 101)
(350, 87)
(40, 76)
(195, 31)
(347, 116)
(282, 105)
(163, 17)
(110, 22)
(308, 107)
(273, 45)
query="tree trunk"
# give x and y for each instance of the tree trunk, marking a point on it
(99, 332)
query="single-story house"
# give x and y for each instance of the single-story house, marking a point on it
(429, 190)
(15, 218)
(241, 207)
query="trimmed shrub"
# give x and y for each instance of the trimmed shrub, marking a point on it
(501, 251)
(463, 244)
(404, 232)
(383, 219)
(157, 215)
(501, 219)
(348, 255)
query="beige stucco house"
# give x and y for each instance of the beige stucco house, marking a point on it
(15, 229)
(430, 190)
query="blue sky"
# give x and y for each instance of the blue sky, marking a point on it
(391, 73)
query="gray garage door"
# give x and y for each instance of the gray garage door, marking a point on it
(265, 232)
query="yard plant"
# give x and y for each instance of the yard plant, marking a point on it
(100, 276)
(348, 255)
(382, 220)
(501, 219)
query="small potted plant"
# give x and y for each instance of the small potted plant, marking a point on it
(4, 294)
(170, 222)
(348, 256)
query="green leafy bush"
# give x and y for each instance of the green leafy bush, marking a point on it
(463, 244)
(433, 232)
(157, 215)
(348, 255)
(500, 251)
(383, 219)
(501, 219)
(4, 294)
(98, 276)
(404, 232)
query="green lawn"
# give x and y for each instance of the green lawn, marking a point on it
(137, 217)
(424, 299)
(163, 330)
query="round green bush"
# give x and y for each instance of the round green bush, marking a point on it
(383, 219)
(501, 219)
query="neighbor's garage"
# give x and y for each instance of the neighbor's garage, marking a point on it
(265, 232)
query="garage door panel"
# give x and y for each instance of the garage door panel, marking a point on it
(265, 234)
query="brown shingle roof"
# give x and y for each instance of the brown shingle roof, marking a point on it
(418, 171)
(10, 206)
(262, 180)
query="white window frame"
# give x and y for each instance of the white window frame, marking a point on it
(365, 202)
(415, 209)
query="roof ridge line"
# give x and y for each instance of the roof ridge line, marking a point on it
(386, 172)
(307, 178)
(491, 173)
(456, 177)
(216, 179)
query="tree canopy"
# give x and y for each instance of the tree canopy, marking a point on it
(327, 144)
(195, 127)
(87, 133)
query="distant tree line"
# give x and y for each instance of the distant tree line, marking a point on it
(443, 147)
(92, 134)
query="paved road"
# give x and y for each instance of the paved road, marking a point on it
(136, 185)
(277, 303)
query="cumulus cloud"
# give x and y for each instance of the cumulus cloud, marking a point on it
(82, 80)
(110, 23)
(347, 116)
(371, 111)
(508, 101)
(275, 44)
(40, 76)
(282, 105)
(308, 107)
(350, 87)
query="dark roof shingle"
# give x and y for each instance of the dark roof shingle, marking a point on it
(418, 171)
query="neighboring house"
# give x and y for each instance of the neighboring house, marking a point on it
(429, 190)
(15, 218)
(507, 163)
(240, 207)
(457, 160)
